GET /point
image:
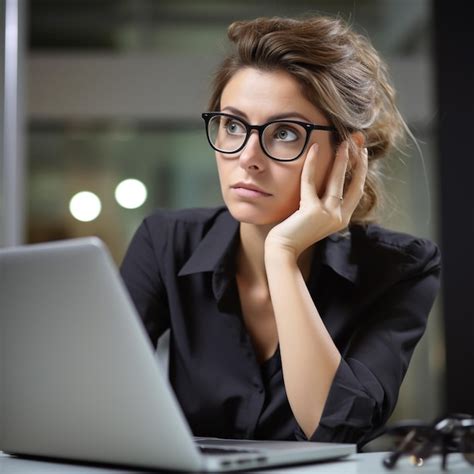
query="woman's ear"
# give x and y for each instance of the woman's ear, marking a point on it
(356, 143)
(358, 139)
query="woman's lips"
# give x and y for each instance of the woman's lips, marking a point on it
(249, 191)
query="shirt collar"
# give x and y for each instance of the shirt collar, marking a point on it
(337, 252)
(216, 250)
(216, 253)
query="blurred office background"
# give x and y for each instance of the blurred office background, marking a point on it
(110, 91)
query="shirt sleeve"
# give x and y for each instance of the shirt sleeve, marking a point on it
(143, 279)
(366, 385)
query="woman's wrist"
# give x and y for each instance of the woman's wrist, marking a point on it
(280, 254)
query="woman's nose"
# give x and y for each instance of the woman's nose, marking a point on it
(252, 155)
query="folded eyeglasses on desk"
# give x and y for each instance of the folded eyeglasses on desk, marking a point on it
(453, 433)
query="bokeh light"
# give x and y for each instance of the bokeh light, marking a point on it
(131, 193)
(85, 206)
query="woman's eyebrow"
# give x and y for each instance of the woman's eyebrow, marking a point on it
(234, 111)
(285, 115)
(291, 114)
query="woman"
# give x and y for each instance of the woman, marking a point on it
(292, 315)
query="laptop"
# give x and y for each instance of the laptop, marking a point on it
(80, 381)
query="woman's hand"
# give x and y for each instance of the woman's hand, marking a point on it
(318, 217)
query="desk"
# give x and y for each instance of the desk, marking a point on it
(364, 463)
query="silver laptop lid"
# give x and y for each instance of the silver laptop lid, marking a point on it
(71, 343)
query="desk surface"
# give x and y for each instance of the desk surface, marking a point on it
(364, 463)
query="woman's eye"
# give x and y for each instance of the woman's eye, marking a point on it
(286, 135)
(234, 127)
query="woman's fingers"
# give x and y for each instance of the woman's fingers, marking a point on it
(335, 186)
(355, 190)
(335, 199)
(308, 175)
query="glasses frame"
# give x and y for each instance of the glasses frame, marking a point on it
(444, 436)
(309, 127)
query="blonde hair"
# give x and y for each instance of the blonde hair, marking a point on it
(339, 71)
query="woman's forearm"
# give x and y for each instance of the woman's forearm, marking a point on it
(309, 356)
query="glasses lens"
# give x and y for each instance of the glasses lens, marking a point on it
(284, 140)
(227, 134)
(467, 445)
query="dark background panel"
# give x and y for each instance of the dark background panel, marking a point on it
(454, 59)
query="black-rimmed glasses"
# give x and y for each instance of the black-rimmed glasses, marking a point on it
(451, 434)
(281, 140)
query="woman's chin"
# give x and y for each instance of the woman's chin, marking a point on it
(252, 215)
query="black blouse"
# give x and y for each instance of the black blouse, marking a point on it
(373, 288)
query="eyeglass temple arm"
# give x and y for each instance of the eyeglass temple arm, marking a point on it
(444, 451)
(390, 461)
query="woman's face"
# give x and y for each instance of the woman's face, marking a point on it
(258, 97)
